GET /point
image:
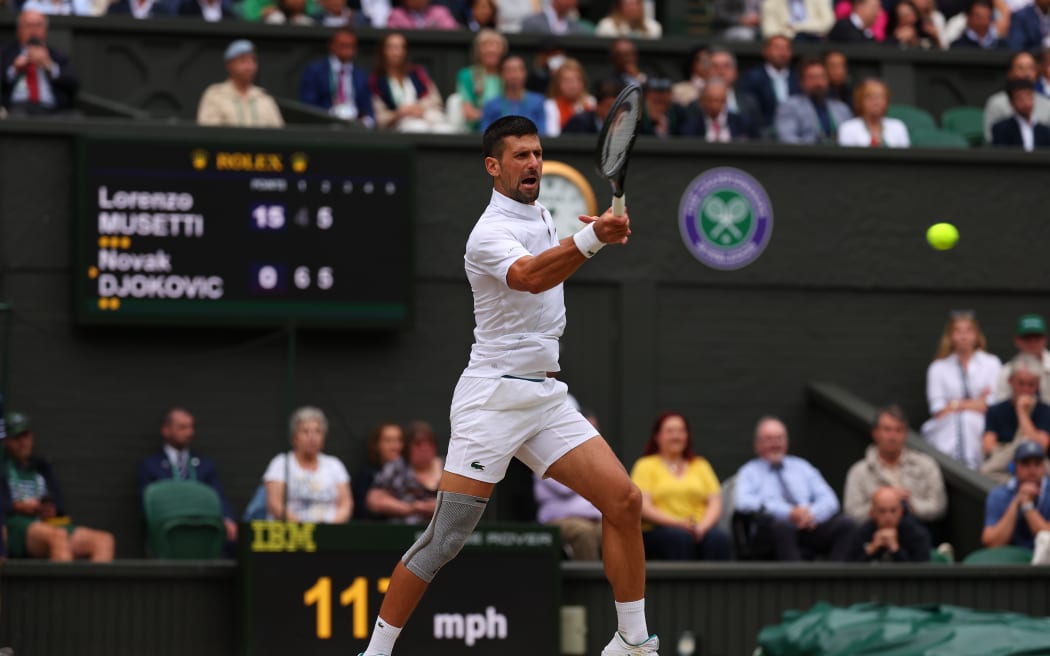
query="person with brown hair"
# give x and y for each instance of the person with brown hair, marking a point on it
(959, 386)
(627, 18)
(871, 128)
(567, 96)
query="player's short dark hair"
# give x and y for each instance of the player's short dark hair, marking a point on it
(893, 410)
(508, 126)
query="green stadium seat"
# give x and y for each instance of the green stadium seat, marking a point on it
(1008, 555)
(914, 117)
(183, 520)
(935, 138)
(965, 121)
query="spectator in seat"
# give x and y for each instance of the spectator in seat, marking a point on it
(337, 84)
(1021, 418)
(237, 101)
(306, 484)
(34, 77)
(623, 55)
(568, 96)
(792, 507)
(516, 99)
(888, 536)
(1018, 510)
(480, 82)
(404, 98)
(1028, 26)
(660, 116)
(211, 11)
(386, 443)
(260, 10)
(291, 12)
(1021, 130)
(722, 65)
(799, 20)
(36, 522)
(484, 14)
(980, 32)
(681, 496)
(557, 17)
(715, 123)
(550, 55)
(772, 82)
(959, 384)
(737, 20)
(627, 18)
(857, 27)
(871, 128)
(906, 28)
(377, 12)
(1030, 338)
(605, 92)
(405, 491)
(421, 15)
(695, 73)
(177, 460)
(137, 9)
(1042, 83)
(811, 117)
(336, 13)
(839, 86)
(888, 464)
(1022, 67)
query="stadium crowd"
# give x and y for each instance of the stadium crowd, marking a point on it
(784, 99)
(777, 506)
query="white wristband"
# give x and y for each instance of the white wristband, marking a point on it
(587, 241)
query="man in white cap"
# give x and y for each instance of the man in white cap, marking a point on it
(237, 101)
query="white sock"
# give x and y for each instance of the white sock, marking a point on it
(630, 621)
(383, 637)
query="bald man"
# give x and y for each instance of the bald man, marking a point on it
(35, 78)
(889, 535)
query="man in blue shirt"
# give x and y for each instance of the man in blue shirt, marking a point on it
(792, 506)
(1018, 510)
(516, 99)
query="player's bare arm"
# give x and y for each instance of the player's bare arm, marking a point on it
(538, 273)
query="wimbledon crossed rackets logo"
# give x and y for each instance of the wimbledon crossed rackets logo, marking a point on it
(725, 218)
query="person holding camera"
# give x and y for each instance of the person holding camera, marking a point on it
(35, 78)
(37, 525)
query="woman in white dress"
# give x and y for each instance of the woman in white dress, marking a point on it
(319, 488)
(871, 128)
(960, 384)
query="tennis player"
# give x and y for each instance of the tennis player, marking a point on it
(508, 404)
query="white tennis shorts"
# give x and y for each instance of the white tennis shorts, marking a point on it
(496, 419)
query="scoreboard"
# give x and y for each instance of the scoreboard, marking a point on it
(315, 589)
(243, 233)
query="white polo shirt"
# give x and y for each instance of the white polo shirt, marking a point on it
(515, 333)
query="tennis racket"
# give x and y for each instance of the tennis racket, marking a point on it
(615, 142)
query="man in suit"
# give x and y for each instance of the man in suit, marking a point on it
(774, 81)
(980, 32)
(605, 92)
(336, 84)
(211, 11)
(856, 28)
(1020, 129)
(176, 460)
(1022, 67)
(1027, 30)
(722, 65)
(714, 122)
(811, 117)
(557, 18)
(35, 78)
(660, 116)
(140, 9)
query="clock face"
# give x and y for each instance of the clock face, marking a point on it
(567, 195)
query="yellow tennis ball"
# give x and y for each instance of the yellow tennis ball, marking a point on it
(942, 236)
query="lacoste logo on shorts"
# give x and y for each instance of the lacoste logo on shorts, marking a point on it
(477, 465)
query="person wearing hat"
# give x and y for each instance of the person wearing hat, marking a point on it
(37, 525)
(1030, 338)
(1021, 417)
(1016, 511)
(237, 101)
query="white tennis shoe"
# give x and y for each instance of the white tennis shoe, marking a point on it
(619, 647)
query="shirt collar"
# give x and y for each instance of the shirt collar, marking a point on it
(514, 208)
(173, 453)
(337, 65)
(775, 73)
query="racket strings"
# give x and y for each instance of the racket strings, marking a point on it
(618, 140)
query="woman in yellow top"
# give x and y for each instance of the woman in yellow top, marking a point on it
(681, 496)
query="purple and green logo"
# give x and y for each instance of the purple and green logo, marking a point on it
(725, 218)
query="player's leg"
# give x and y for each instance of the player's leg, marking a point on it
(98, 546)
(594, 471)
(46, 541)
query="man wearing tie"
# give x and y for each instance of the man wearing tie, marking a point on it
(335, 84)
(793, 509)
(176, 460)
(35, 79)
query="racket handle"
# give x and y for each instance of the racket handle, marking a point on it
(619, 205)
